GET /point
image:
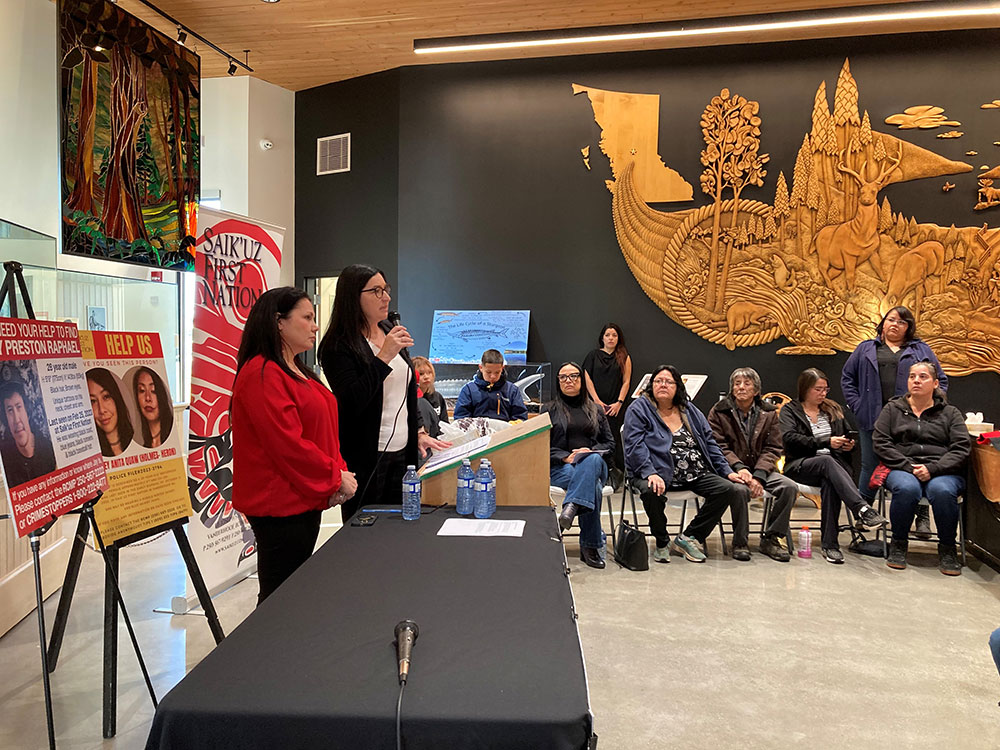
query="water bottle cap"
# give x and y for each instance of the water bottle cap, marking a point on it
(411, 467)
(805, 528)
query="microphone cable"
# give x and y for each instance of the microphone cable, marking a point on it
(399, 712)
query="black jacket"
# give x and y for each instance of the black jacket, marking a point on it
(357, 384)
(760, 454)
(796, 434)
(938, 438)
(603, 439)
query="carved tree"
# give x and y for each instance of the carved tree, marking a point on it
(744, 165)
(800, 184)
(781, 209)
(885, 216)
(731, 129)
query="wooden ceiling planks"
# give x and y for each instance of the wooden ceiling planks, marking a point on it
(298, 44)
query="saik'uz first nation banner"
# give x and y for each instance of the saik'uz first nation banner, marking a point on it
(48, 445)
(236, 260)
(141, 445)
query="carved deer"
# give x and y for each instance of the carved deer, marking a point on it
(916, 269)
(844, 246)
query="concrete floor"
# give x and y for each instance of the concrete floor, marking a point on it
(719, 655)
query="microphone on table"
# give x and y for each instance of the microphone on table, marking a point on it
(406, 635)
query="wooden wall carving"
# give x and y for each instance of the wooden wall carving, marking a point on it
(822, 262)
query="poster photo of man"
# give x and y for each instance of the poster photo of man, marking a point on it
(25, 447)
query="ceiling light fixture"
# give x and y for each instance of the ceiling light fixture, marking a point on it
(181, 35)
(232, 67)
(876, 14)
(191, 32)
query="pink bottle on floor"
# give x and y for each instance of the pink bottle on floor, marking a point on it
(805, 542)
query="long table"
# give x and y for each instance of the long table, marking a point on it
(497, 664)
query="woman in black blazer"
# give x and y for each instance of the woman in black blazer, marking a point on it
(365, 362)
(817, 448)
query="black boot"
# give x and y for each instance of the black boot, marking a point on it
(592, 557)
(922, 529)
(949, 564)
(567, 515)
(897, 554)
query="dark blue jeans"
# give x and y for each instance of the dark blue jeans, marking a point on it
(942, 492)
(995, 647)
(583, 482)
(868, 463)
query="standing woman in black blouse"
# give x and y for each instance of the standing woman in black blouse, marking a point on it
(608, 372)
(365, 362)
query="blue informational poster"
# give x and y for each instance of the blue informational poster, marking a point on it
(461, 336)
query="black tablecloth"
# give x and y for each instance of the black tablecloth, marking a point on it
(497, 663)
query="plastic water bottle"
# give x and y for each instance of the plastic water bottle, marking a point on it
(481, 491)
(411, 494)
(805, 542)
(492, 492)
(464, 502)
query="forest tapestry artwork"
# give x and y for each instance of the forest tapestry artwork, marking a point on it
(129, 101)
(824, 260)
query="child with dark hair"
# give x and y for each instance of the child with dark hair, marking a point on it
(490, 394)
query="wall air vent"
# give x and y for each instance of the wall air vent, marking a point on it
(333, 154)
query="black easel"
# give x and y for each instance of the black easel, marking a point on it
(8, 291)
(110, 681)
(13, 273)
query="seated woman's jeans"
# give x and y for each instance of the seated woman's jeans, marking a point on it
(583, 482)
(995, 647)
(942, 492)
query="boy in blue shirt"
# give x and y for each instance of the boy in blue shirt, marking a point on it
(490, 394)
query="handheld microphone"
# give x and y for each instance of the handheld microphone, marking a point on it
(406, 635)
(394, 319)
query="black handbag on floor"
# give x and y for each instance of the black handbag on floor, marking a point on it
(629, 542)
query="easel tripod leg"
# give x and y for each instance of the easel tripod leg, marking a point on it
(199, 584)
(68, 588)
(41, 641)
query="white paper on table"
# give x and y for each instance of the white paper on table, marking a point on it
(480, 527)
(459, 451)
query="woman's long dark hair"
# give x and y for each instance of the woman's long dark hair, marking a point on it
(106, 380)
(163, 401)
(807, 379)
(680, 395)
(261, 335)
(907, 317)
(347, 321)
(559, 407)
(621, 351)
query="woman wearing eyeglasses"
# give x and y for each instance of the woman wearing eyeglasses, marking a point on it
(669, 446)
(579, 438)
(365, 362)
(817, 452)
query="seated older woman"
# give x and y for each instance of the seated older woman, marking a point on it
(669, 445)
(924, 442)
(580, 435)
(817, 451)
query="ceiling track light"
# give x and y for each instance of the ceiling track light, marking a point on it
(851, 16)
(183, 32)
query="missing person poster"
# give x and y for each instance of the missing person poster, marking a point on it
(48, 445)
(133, 413)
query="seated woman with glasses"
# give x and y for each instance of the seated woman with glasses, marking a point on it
(579, 439)
(925, 443)
(817, 452)
(669, 446)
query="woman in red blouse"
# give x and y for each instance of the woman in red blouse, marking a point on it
(287, 466)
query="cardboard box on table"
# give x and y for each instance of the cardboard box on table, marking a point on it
(519, 456)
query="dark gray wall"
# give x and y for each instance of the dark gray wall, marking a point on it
(496, 210)
(353, 215)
